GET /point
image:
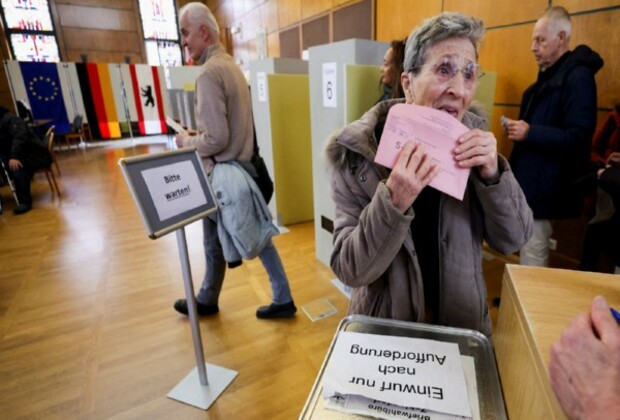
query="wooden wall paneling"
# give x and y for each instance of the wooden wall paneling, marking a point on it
(103, 57)
(96, 18)
(290, 45)
(601, 33)
(5, 92)
(396, 18)
(315, 7)
(269, 15)
(499, 12)
(579, 5)
(353, 21)
(6, 99)
(289, 12)
(507, 52)
(315, 32)
(337, 3)
(100, 40)
(109, 4)
(273, 44)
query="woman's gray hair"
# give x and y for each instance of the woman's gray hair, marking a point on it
(436, 29)
(199, 14)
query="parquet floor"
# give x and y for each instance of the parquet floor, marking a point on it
(87, 329)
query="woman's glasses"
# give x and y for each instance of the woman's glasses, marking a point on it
(446, 69)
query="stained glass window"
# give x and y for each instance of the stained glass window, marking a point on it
(30, 31)
(161, 32)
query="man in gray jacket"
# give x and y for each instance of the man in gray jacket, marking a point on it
(409, 251)
(224, 134)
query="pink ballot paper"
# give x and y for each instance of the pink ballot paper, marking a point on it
(437, 131)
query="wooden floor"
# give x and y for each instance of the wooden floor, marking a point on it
(87, 328)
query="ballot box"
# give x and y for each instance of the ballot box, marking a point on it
(474, 348)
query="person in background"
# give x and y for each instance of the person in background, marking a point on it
(22, 154)
(601, 247)
(584, 367)
(391, 70)
(225, 139)
(408, 251)
(552, 137)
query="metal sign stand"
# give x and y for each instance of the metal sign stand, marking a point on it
(195, 389)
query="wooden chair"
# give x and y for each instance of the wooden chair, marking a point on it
(49, 174)
(77, 131)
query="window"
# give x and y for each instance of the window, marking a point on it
(161, 33)
(30, 31)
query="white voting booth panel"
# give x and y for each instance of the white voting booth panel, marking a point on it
(476, 350)
(170, 190)
(330, 110)
(266, 117)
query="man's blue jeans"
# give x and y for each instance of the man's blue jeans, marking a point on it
(216, 269)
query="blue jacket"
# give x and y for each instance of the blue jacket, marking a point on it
(244, 224)
(561, 111)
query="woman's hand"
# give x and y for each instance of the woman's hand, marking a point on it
(15, 164)
(413, 170)
(478, 149)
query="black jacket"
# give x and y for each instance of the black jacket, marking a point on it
(18, 141)
(560, 109)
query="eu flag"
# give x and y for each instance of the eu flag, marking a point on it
(45, 94)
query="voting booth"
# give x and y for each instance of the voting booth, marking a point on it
(181, 84)
(281, 110)
(344, 83)
(438, 372)
(170, 190)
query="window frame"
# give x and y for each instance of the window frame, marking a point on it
(152, 39)
(8, 32)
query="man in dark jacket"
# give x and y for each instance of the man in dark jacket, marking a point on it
(22, 154)
(552, 136)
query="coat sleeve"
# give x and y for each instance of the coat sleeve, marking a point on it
(574, 130)
(18, 131)
(508, 219)
(211, 115)
(366, 237)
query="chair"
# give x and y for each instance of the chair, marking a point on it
(77, 130)
(49, 174)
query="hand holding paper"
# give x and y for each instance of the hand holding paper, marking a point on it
(438, 131)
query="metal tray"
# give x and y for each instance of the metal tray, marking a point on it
(471, 343)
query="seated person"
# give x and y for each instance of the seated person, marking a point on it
(584, 367)
(22, 154)
(391, 70)
(409, 251)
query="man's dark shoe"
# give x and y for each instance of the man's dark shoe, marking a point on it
(272, 311)
(21, 209)
(202, 310)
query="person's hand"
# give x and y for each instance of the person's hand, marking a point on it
(585, 365)
(478, 149)
(613, 159)
(517, 130)
(15, 164)
(179, 139)
(413, 170)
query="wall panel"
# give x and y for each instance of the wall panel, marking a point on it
(289, 12)
(99, 40)
(96, 18)
(507, 52)
(499, 12)
(103, 57)
(574, 6)
(595, 31)
(315, 7)
(315, 32)
(273, 42)
(269, 15)
(396, 18)
(108, 4)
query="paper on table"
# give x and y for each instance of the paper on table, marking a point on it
(438, 131)
(175, 125)
(408, 372)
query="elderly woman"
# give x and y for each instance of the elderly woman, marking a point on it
(409, 251)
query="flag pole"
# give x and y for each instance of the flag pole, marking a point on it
(124, 96)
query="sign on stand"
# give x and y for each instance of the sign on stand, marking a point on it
(170, 190)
